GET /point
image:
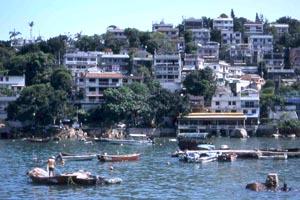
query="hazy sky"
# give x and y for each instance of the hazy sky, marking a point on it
(54, 17)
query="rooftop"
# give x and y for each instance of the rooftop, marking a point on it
(213, 115)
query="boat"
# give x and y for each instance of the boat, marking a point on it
(38, 140)
(227, 157)
(75, 157)
(131, 139)
(40, 176)
(118, 158)
(191, 141)
(195, 157)
(272, 157)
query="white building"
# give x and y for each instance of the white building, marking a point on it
(191, 62)
(223, 24)
(260, 45)
(166, 29)
(253, 28)
(93, 83)
(201, 36)
(281, 29)
(245, 101)
(80, 61)
(117, 32)
(230, 37)
(240, 54)
(14, 83)
(167, 70)
(209, 51)
(109, 62)
(220, 69)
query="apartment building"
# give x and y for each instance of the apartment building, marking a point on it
(117, 32)
(167, 70)
(192, 23)
(281, 29)
(209, 51)
(80, 61)
(93, 83)
(200, 36)
(109, 62)
(166, 29)
(223, 24)
(240, 54)
(231, 38)
(253, 28)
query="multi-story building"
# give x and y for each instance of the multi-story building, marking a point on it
(209, 51)
(92, 84)
(192, 23)
(13, 83)
(166, 29)
(262, 43)
(109, 62)
(161, 25)
(281, 29)
(274, 59)
(295, 57)
(223, 24)
(240, 54)
(253, 28)
(117, 32)
(80, 61)
(245, 101)
(230, 37)
(191, 62)
(167, 70)
(220, 69)
(201, 36)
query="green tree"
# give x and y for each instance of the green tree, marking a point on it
(215, 35)
(201, 83)
(160, 42)
(223, 15)
(133, 37)
(39, 104)
(61, 79)
(232, 15)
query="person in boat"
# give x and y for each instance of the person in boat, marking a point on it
(51, 165)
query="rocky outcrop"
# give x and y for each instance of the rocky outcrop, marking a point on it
(71, 133)
(239, 133)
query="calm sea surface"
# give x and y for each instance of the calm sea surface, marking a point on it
(155, 176)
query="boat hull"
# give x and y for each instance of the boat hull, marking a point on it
(118, 158)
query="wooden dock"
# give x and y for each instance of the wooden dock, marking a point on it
(252, 154)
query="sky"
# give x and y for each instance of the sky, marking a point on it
(54, 17)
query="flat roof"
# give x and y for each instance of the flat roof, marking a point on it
(214, 115)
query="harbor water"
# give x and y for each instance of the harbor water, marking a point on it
(155, 176)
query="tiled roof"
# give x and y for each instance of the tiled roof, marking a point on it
(103, 75)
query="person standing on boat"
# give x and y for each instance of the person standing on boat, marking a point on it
(51, 165)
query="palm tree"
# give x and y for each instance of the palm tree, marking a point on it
(14, 34)
(31, 24)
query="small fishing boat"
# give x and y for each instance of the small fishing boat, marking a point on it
(38, 140)
(227, 157)
(119, 158)
(40, 176)
(195, 157)
(131, 139)
(75, 157)
(272, 157)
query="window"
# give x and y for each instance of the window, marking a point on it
(218, 111)
(233, 111)
(217, 103)
(92, 80)
(7, 78)
(245, 111)
(233, 103)
(253, 111)
(92, 89)
(114, 80)
(229, 103)
(81, 80)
